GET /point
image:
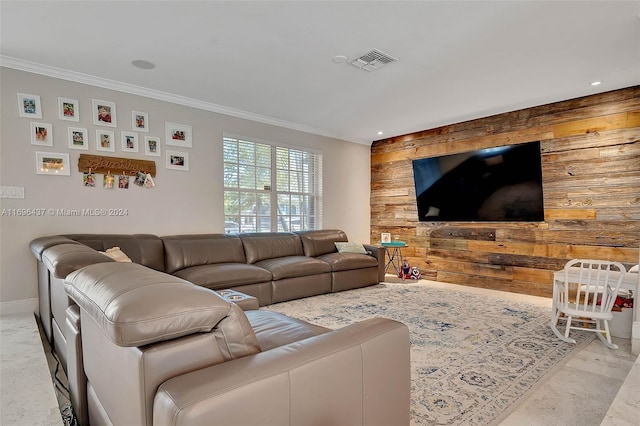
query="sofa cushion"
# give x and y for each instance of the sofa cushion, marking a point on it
(317, 243)
(224, 275)
(346, 261)
(145, 249)
(135, 306)
(185, 251)
(350, 247)
(294, 266)
(269, 245)
(274, 329)
(116, 254)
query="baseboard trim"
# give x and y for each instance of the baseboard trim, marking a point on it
(18, 307)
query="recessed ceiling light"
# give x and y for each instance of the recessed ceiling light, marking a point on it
(596, 83)
(338, 59)
(380, 132)
(145, 65)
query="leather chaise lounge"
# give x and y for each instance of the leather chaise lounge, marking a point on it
(148, 342)
(204, 361)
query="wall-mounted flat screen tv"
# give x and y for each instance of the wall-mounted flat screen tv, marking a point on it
(493, 184)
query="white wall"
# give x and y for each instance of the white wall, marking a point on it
(181, 202)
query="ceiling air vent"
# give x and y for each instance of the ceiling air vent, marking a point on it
(373, 60)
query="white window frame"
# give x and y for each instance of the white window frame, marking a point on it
(304, 176)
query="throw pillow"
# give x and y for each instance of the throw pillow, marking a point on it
(350, 248)
(116, 254)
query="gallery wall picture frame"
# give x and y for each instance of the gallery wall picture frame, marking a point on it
(104, 113)
(68, 109)
(178, 135)
(105, 140)
(78, 138)
(140, 121)
(177, 160)
(41, 133)
(29, 106)
(152, 146)
(129, 141)
(52, 163)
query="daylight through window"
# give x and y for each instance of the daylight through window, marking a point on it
(270, 188)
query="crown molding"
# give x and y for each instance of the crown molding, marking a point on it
(77, 77)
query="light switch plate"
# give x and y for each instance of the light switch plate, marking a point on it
(11, 191)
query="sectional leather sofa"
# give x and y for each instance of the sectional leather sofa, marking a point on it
(272, 267)
(158, 350)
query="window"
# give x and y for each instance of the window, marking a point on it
(270, 188)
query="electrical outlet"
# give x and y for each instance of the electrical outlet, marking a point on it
(11, 191)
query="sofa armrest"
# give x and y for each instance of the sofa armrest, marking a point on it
(359, 374)
(39, 245)
(379, 253)
(63, 259)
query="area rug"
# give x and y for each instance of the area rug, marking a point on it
(473, 355)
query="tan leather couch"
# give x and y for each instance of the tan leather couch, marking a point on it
(158, 350)
(272, 267)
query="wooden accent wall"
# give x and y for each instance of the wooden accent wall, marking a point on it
(591, 181)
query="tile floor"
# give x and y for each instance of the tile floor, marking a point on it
(578, 393)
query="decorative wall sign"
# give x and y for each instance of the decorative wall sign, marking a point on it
(68, 109)
(118, 165)
(29, 106)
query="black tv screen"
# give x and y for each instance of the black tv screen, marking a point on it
(493, 184)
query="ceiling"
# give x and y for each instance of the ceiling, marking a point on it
(271, 61)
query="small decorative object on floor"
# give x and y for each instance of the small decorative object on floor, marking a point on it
(415, 273)
(405, 271)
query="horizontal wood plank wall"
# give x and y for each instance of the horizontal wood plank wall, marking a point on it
(591, 180)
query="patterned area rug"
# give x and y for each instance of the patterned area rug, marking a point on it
(473, 356)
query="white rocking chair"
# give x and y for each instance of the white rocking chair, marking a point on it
(586, 296)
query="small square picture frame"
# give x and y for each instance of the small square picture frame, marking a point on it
(152, 146)
(104, 113)
(78, 138)
(140, 121)
(178, 135)
(29, 106)
(52, 163)
(385, 237)
(105, 140)
(177, 160)
(68, 109)
(41, 133)
(129, 141)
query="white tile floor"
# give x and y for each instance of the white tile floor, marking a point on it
(27, 395)
(578, 393)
